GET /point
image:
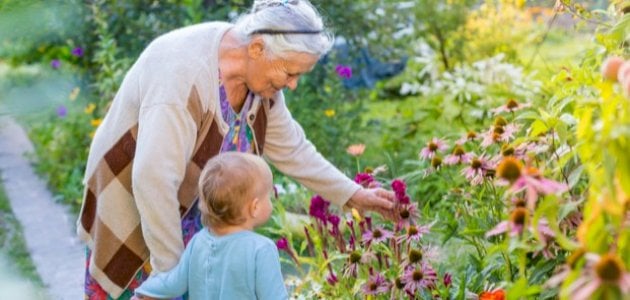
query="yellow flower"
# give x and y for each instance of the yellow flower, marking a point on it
(90, 108)
(96, 122)
(327, 89)
(356, 215)
(329, 113)
(74, 94)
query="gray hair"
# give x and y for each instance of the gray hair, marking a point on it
(285, 15)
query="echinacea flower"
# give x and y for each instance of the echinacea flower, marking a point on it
(432, 148)
(415, 233)
(514, 226)
(533, 183)
(509, 169)
(406, 215)
(356, 149)
(419, 278)
(564, 270)
(414, 256)
(477, 169)
(510, 106)
(376, 285)
(601, 272)
(469, 136)
(355, 259)
(458, 156)
(376, 235)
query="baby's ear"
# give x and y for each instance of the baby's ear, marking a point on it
(253, 207)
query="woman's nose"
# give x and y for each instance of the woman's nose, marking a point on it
(293, 83)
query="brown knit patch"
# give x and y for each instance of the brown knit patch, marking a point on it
(136, 243)
(260, 128)
(123, 266)
(108, 243)
(124, 177)
(210, 146)
(121, 154)
(89, 210)
(194, 106)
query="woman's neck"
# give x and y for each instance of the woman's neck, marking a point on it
(232, 64)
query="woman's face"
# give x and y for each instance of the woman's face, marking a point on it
(266, 76)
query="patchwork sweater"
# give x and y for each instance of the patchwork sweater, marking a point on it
(163, 125)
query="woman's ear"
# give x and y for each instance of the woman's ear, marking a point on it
(256, 48)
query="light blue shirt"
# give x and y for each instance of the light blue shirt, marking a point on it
(240, 265)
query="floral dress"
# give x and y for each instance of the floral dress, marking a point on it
(238, 138)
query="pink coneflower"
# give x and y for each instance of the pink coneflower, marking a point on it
(533, 183)
(419, 278)
(497, 134)
(566, 269)
(432, 148)
(406, 215)
(601, 272)
(469, 136)
(355, 259)
(415, 233)
(458, 156)
(414, 256)
(376, 285)
(510, 106)
(477, 169)
(356, 149)
(376, 236)
(514, 226)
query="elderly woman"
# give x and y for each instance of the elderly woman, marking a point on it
(191, 94)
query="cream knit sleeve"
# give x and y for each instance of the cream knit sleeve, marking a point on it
(166, 138)
(288, 149)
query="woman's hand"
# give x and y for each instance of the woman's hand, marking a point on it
(373, 199)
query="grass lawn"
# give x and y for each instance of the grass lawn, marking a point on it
(12, 245)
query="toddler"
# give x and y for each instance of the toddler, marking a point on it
(226, 259)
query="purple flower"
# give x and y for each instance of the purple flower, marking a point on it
(344, 71)
(77, 51)
(400, 189)
(533, 183)
(319, 208)
(478, 168)
(282, 244)
(406, 215)
(458, 156)
(415, 233)
(376, 285)
(364, 179)
(55, 64)
(332, 279)
(62, 111)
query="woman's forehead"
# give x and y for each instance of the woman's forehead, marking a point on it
(299, 62)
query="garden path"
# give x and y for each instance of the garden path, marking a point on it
(48, 227)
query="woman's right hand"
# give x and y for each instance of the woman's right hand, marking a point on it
(374, 199)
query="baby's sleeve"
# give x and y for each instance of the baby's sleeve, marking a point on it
(269, 281)
(171, 284)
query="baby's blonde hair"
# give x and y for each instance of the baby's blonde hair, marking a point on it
(227, 183)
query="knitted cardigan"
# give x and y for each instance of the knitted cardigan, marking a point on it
(164, 124)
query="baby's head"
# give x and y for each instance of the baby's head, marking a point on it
(235, 188)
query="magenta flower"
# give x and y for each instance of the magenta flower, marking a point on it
(419, 278)
(400, 190)
(77, 51)
(55, 64)
(364, 179)
(432, 148)
(376, 285)
(477, 169)
(282, 244)
(332, 279)
(319, 208)
(458, 156)
(447, 280)
(62, 111)
(376, 236)
(344, 71)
